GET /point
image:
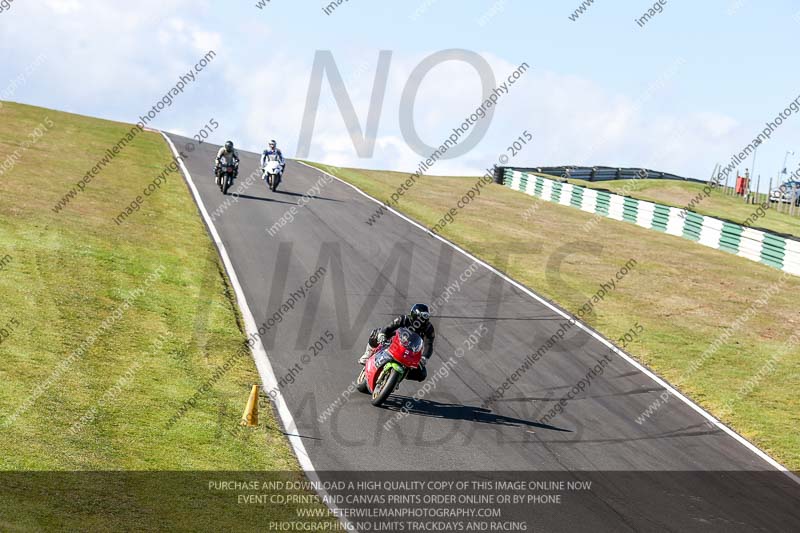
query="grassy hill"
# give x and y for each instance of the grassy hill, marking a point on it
(107, 329)
(715, 325)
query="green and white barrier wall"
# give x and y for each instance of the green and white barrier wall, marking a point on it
(756, 245)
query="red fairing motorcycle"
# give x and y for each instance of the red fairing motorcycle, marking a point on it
(389, 364)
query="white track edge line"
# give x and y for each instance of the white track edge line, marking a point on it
(746, 443)
(259, 352)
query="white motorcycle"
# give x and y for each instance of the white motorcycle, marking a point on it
(272, 174)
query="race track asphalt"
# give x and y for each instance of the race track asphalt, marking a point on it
(672, 472)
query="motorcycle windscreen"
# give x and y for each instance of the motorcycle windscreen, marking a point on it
(410, 340)
(406, 347)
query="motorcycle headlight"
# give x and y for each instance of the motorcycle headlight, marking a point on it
(382, 357)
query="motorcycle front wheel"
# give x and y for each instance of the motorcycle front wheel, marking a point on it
(385, 385)
(361, 382)
(228, 181)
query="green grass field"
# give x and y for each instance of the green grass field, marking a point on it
(150, 306)
(680, 193)
(684, 295)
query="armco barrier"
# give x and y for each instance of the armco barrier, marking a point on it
(756, 245)
(599, 173)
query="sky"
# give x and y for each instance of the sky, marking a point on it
(686, 90)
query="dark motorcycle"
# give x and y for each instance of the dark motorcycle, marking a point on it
(225, 176)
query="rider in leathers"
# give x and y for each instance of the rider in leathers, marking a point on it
(228, 155)
(272, 153)
(418, 321)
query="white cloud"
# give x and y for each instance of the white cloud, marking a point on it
(110, 55)
(574, 120)
(133, 53)
(62, 7)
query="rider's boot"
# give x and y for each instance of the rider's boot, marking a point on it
(363, 360)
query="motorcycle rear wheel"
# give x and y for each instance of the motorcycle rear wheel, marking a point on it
(385, 386)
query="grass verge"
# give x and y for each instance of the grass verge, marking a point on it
(715, 325)
(108, 330)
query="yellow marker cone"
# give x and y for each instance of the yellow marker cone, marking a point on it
(250, 415)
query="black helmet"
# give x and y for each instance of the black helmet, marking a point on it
(228, 146)
(273, 144)
(420, 314)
